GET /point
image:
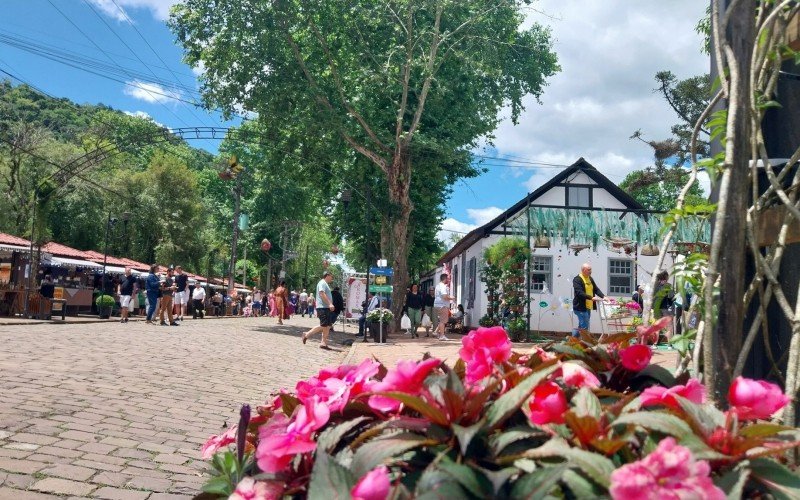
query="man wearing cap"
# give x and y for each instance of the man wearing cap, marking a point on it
(325, 307)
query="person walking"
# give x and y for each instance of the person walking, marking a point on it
(152, 287)
(323, 299)
(199, 301)
(257, 298)
(338, 305)
(168, 288)
(311, 304)
(414, 306)
(587, 294)
(281, 301)
(181, 292)
(441, 302)
(303, 303)
(125, 291)
(665, 303)
(428, 300)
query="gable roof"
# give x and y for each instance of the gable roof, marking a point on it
(98, 257)
(579, 166)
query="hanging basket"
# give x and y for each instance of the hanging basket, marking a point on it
(577, 248)
(690, 247)
(542, 242)
(618, 242)
(650, 251)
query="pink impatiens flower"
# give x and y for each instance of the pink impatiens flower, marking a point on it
(373, 486)
(575, 375)
(755, 399)
(636, 357)
(482, 349)
(215, 443)
(694, 391)
(250, 489)
(547, 404)
(407, 377)
(669, 472)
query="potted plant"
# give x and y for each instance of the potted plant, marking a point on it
(487, 321)
(104, 303)
(380, 321)
(517, 329)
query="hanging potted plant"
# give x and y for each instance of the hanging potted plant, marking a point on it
(542, 239)
(650, 250)
(105, 304)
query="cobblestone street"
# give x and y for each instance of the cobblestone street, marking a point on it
(120, 411)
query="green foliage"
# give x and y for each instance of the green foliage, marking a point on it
(104, 301)
(658, 188)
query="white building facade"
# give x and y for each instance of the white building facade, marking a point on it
(616, 272)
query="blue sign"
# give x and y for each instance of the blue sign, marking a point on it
(381, 271)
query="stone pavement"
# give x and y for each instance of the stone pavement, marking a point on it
(105, 410)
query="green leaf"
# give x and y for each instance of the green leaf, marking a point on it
(781, 482)
(539, 483)
(587, 404)
(329, 480)
(377, 451)
(218, 486)
(499, 477)
(580, 486)
(465, 434)
(511, 401)
(732, 483)
(705, 417)
(437, 484)
(763, 430)
(656, 421)
(288, 404)
(471, 479)
(454, 383)
(500, 441)
(328, 440)
(436, 415)
(658, 373)
(597, 467)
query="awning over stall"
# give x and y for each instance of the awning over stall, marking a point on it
(67, 262)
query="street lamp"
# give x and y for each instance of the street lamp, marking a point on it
(109, 223)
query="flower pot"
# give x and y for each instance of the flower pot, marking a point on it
(104, 312)
(375, 330)
(542, 242)
(650, 251)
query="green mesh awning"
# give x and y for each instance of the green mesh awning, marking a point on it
(595, 227)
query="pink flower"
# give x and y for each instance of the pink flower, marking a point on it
(694, 391)
(669, 472)
(250, 489)
(543, 355)
(373, 486)
(215, 443)
(754, 399)
(407, 377)
(482, 349)
(336, 386)
(636, 357)
(650, 333)
(547, 404)
(577, 376)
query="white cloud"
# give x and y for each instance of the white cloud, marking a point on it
(158, 8)
(609, 52)
(144, 116)
(150, 92)
(483, 215)
(199, 68)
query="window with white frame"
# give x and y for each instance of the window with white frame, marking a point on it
(541, 273)
(620, 277)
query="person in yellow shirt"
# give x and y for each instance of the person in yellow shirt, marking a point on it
(586, 294)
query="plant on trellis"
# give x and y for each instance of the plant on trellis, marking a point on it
(509, 255)
(490, 276)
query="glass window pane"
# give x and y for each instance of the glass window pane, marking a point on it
(578, 196)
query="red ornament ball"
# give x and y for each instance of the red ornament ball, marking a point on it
(265, 245)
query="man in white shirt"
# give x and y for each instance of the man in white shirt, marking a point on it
(324, 301)
(199, 300)
(303, 303)
(441, 302)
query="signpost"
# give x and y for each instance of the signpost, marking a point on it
(380, 282)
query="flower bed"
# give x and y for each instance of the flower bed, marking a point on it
(566, 420)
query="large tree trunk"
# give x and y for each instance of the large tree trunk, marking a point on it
(724, 341)
(394, 235)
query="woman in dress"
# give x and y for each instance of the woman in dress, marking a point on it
(281, 301)
(273, 311)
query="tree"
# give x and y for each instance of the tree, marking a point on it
(392, 81)
(657, 188)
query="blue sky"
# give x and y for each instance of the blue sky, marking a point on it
(609, 51)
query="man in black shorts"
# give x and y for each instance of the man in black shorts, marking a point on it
(325, 309)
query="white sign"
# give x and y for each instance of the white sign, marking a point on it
(356, 294)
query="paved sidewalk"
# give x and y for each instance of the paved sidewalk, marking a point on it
(118, 411)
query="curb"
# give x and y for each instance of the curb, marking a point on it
(85, 321)
(348, 359)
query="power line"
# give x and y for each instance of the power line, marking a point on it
(112, 60)
(114, 32)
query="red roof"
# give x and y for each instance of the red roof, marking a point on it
(60, 250)
(134, 264)
(98, 257)
(7, 239)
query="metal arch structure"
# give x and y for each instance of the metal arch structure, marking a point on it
(172, 136)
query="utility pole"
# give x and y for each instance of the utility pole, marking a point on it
(237, 195)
